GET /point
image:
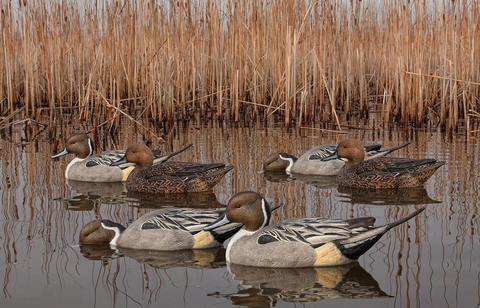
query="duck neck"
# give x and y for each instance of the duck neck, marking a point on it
(87, 151)
(117, 232)
(144, 164)
(290, 159)
(353, 161)
(261, 219)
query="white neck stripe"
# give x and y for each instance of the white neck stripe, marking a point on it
(265, 215)
(90, 146)
(117, 234)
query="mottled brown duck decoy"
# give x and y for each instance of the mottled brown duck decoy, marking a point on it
(169, 177)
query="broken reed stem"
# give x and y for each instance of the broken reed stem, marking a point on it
(325, 130)
(103, 123)
(445, 78)
(108, 105)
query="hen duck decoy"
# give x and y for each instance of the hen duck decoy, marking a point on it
(297, 242)
(311, 162)
(169, 177)
(380, 172)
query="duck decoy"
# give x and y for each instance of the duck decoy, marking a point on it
(165, 230)
(311, 162)
(89, 167)
(169, 177)
(380, 172)
(297, 242)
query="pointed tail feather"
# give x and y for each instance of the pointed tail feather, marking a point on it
(382, 229)
(164, 158)
(357, 245)
(388, 151)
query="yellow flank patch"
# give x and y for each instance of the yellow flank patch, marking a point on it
(126, 172)
(202, 240)
(328, 255)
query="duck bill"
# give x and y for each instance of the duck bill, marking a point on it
(121, 161)
(331, 157)
(223, 220)
(64, 152)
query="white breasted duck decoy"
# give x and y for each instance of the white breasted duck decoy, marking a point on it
(297, 242)
(88, 167)
(311, 162)
(164, 230)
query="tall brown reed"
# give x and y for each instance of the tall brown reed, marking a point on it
(417, 62)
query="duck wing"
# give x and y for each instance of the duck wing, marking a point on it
(392, 166)
(190, 220)
(180, 170)
(106, 158)
(322, 151)
(315, 231)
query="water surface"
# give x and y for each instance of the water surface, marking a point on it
(433, 260)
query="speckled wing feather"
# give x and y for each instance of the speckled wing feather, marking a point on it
(315, 231)
(106, 158)
(179, 169)
(177, 177)
(326, 150)
(392, 166)
(189, 220)
(322, 151)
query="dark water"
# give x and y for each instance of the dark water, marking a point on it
(433, 261)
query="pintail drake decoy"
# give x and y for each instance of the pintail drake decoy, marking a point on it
(169, 177)
(165, 230)
(311, 162)
(88, 167)
(381, 172)
(297, 242)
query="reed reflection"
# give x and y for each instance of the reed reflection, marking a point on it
(198, 200)
(319, 181)
(269, 285)
(393, 196)
(430, 262)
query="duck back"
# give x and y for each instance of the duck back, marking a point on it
(388, 172)
(177, 177)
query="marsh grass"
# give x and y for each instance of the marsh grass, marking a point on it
(415, 62)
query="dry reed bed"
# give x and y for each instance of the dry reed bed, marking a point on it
(413, 61)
